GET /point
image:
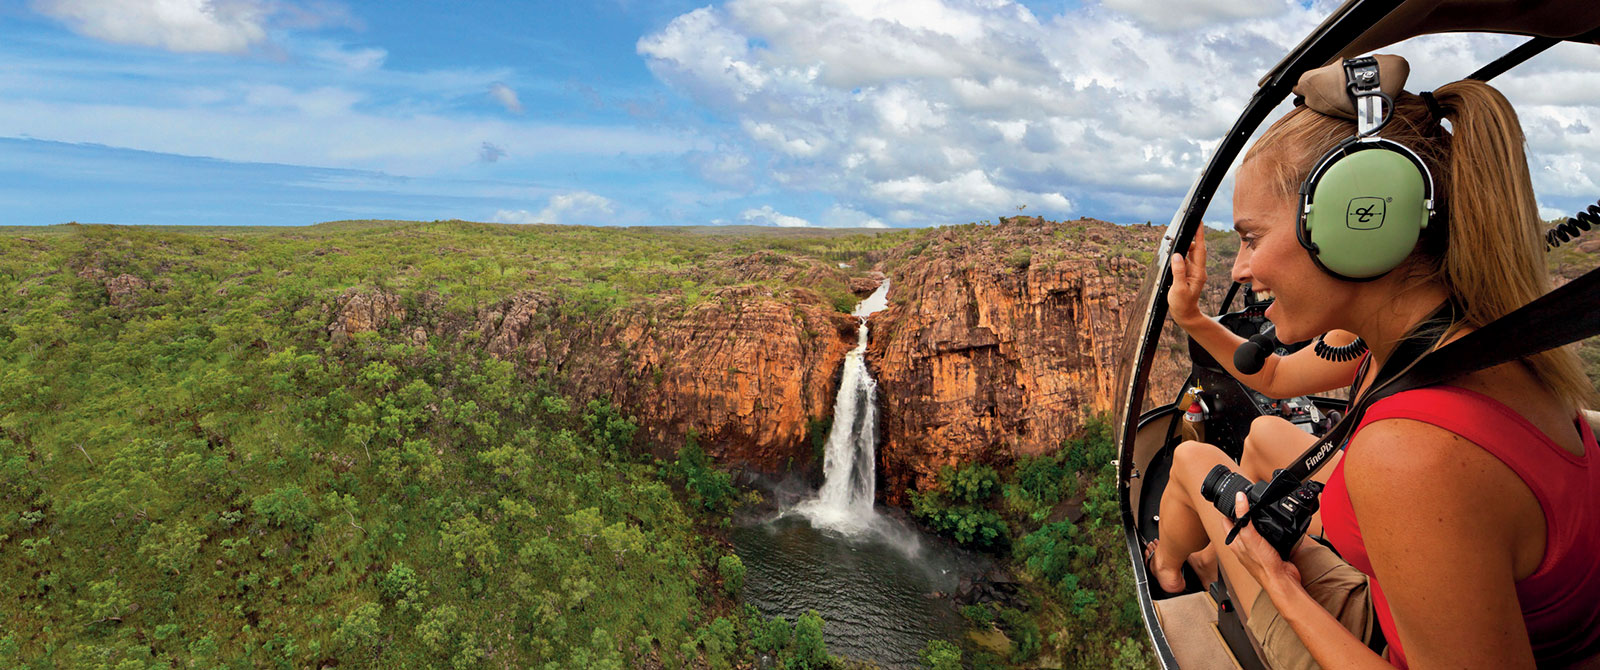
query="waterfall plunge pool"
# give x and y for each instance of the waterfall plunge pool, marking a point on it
(881, 586)
(883, 591)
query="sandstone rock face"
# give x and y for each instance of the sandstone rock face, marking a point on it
(864, 286)
(748, 373)
(364, 311)
(122, 289)
(747, 369)
(998, 342)
(986, 354)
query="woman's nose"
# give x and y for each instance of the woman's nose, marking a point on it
(1241, 266)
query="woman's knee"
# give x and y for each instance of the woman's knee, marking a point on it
(1191, 460)
(1259, 458)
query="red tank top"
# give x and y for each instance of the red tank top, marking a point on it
(1561, 599)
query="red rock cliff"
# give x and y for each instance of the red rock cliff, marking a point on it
(747, 369)
(747, 366)
(1000, 340)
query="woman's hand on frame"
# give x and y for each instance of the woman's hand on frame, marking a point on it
(1188, 281)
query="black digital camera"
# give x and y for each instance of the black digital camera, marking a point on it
(1280, 522)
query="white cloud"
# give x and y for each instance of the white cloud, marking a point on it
(1164, 15)
(767, 216)
(318, 102)
(515, 216)
(176, 25)
(840, 216)
(361, 59)
(926, 111)
(1549, 213)
(571, 208)
(574, 208)
(506, 97)
(320, 127)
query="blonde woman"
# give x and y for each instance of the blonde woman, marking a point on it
(1467, 515)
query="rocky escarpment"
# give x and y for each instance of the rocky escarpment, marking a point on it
(749, 367)
(1000, 340)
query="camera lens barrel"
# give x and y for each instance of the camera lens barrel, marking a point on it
(1221, 486)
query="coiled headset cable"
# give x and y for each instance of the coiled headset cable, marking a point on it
(1567, 230)
(1341, 353)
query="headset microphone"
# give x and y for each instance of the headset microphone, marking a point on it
(1252, 355)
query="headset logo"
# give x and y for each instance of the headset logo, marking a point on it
(1365, 213)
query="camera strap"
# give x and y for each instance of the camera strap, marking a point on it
(1560, 317)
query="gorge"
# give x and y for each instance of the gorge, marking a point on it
(982, 355)
(446, 443)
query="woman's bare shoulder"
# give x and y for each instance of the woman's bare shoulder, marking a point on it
(1415, 475)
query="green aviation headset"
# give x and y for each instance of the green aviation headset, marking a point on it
(1366, 201)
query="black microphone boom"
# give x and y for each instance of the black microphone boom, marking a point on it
(1252, 355)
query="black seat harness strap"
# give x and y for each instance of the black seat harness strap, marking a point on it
(1560, 317)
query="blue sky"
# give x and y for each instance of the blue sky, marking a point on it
(634, 112)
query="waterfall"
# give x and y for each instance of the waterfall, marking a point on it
(844, 503)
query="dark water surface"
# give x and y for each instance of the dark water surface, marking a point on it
(874, 588)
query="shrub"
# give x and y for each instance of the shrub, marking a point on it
(360, 628)
(979, 615)
(1041, 479)
(1024, 633)
(971, 484)
(810, 652)
(970, 525)
(171, 547)
(608, 429)
(956, 508)
(770, 635)
(941, 655)
(286, 507)
(1091, 448)
(709, 488)
(719, 639)
(1049, 552)
(400, 585)
(731, 569)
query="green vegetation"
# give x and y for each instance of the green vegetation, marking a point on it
(941, 655)
(959, 507)
(1054, 517)
(731, 569)
(198, 470)
(710, 489)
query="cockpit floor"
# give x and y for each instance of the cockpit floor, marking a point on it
(1190, 624)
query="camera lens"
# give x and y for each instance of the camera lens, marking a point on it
(1221, 486)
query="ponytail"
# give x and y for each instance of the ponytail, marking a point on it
(1494, 260)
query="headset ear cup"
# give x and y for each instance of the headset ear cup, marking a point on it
(1364, 208)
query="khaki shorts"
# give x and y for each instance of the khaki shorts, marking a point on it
(1336, 585)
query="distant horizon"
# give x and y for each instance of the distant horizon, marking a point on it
(727, 226)
(892, 114)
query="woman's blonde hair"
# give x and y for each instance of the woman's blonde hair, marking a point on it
(1490, 251)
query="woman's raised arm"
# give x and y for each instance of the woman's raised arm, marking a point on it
(1300, 373)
